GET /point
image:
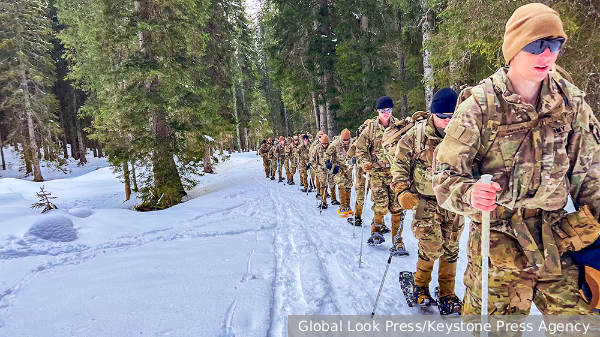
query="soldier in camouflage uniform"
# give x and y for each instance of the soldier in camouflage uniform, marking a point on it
(317, 164)
(277, 154)
(438, 230)
(371, 157)
(291, 160)
(336, 162)
(359, 178)
(314, 175)
(534, 133)
(264, 153)
(302, 152)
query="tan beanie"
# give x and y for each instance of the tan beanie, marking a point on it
(320, 133)
(345, 134)
(325, 139)
(281, 138)
(527, 24)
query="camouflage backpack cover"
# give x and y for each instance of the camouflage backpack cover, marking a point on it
(394, 132)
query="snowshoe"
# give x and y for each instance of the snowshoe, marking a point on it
(268, 176)
(303, 190)
(421, 296)
(318, 196)
(310, 189)
(344, 214)
(356, 221)
(272, 178)
(291, 182)
(448, 305)
(280, 180)
(385, 229)
(398, 250)
(322, 205)
(376, 239)
(407, 283)
(335, 202)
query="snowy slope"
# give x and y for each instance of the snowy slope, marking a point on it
(236, 260)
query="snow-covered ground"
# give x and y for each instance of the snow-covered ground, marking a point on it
(237, 258)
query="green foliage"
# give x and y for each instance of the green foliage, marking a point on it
(44, 202)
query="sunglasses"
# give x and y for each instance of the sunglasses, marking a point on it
(385, 111)
(539, 46)
(346, 140)
(443, 116)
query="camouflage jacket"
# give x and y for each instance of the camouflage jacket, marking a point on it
(337, 154)
(317, 159)
(368, 145)
(290, 150)
(312, 148)
(277, 151)
(538, 166)
(264, 149)
(412, 164)
(303, 151)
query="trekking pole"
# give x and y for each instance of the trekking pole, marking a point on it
(362, 231)
(485, 254)
(381, 286)
(353, 214)
(326, 186)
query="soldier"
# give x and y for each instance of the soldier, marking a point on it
(534, 133)
(336, 162)
(371, 157)
(277, 154)
(291, 160)
(264, 153)
(438, 230)
(314, 176)
(359, 178)
(302, 151)
(320, 169)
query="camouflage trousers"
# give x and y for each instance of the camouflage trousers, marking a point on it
(343, 179)
(302, 169)
(266, 164)
(273, 164)
(290, 167)
(359, 186)
(382, 195)
(513, 286)
(438, 230)
(279, 164)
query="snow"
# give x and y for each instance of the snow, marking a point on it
(239, 256)
(53, 227)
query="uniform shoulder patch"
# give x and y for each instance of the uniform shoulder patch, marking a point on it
(462, 134)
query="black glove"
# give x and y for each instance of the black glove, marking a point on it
(308, 166)
(353, 161)
(336, 169)
(328, 164)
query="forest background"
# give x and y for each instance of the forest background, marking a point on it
(161, 87)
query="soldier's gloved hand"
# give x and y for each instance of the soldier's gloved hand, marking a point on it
(308, 166)
(367, 167)
(328, 164)
(336, 169)
(483, 196)
(353, 161)
(408, 200)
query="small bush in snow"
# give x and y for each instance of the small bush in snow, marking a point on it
(53, 227)
(44, 201)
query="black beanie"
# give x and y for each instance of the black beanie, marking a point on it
(305, 137)
(384, 102)
(264, 141)
(444, 101)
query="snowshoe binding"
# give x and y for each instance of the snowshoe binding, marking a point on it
(385, 229)
(356, 221)
(318, 195)
(272, 178)
(310, 189)
(448, 305)
(398, 250)
(322, 205)
(280, 180)
(376, 239)
(291, 182)
(335, 202)
(415, 296)
(303, 190)
(345, 212)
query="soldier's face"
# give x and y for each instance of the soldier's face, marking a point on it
(325, 145)
(441, 123)
(283, 142)
(532, 68)
(384, 115)
(306, 142)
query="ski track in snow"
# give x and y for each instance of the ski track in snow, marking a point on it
(316, 268)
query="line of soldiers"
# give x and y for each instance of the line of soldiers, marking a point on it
(528, 126)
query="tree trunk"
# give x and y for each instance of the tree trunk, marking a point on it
(81, 146)
(285, 118)
(133, 177)
(402, 69)
(64, 128)
(95, 151)
(427, 66)
(99, 147)
(74, 143)
(315, 108)
(246, 140)
(237, 119)
(2, 152)
(167, 182)
(33, 146)
(207, 160)
(126, 179)
(323, 118)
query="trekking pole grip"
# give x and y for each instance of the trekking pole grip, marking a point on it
(485, 254)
